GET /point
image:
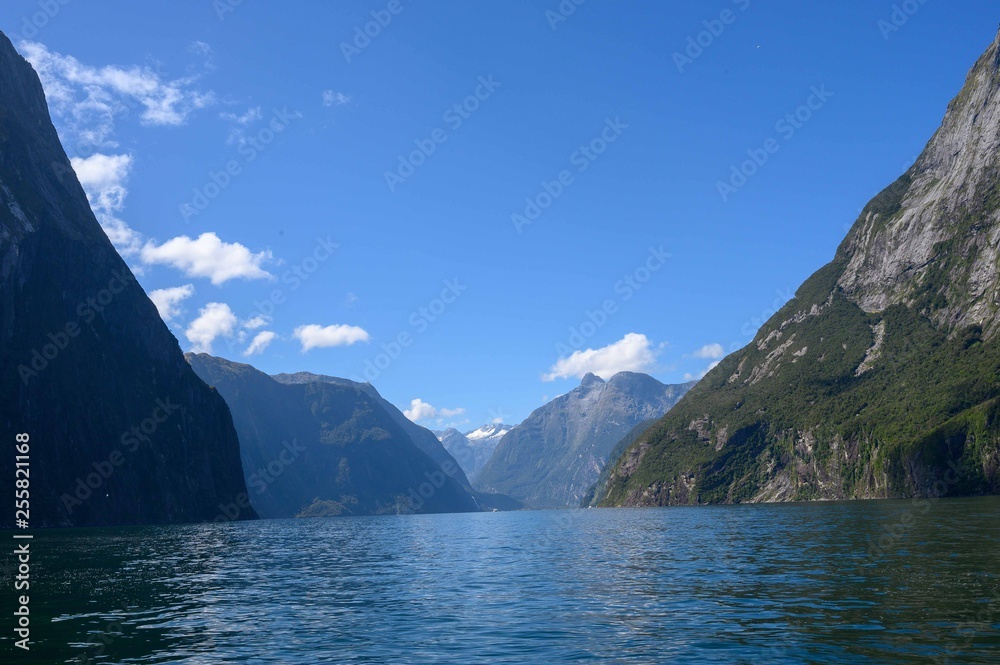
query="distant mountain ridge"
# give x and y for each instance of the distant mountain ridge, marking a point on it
(319, 448)
(555, 456)
(881, 378)
(422, 437)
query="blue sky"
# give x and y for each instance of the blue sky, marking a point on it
(483, 201)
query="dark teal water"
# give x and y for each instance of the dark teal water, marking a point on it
(804, 583)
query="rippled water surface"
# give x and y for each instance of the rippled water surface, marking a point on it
(887, 581)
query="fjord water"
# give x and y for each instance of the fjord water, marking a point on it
(857, 582)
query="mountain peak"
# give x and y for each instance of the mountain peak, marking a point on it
(591, 380)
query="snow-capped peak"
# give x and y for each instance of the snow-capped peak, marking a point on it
(490, 431)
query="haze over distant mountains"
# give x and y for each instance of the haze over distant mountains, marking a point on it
(474, 448)
(881, 378)
(553, 458)
(325, 447)
(422, 437)
(121, 429)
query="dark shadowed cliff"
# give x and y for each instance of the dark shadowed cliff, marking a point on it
(121, 430)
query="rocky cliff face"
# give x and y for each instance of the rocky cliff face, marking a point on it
(553, 458)
(881, 378)
(121, 430)
(320, 448)
(937, 246)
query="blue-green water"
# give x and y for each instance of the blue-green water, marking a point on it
(886, 582)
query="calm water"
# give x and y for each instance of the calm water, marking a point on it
(745, 584)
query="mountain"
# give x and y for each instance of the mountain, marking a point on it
(473, 449)
(881, 378)
(554, 457)
(422, 437)
(120, 429)
(314, 448)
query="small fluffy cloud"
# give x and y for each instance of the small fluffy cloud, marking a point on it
(315, 336)
(208, 256)
(168, 301)
(260, 342)
(701, 375)
(421, 410)
(215, 320)
(87, 99)
(632, 353)
(331, 98)
(258, 321)
(103, 178)
(710, 351)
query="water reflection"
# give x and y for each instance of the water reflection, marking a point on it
(890, 582)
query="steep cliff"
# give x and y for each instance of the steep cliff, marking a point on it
(121, 430)
(881, 378)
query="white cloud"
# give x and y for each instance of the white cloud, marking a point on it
(168, 301)
(421, 410)
(215, 320)
(315, 336)
(86, 102)
(632, 353)
(208, 256)
(103, 178)
(87, 99)
(260, 342)
(701, 375)
(258, 321)
(331, 98)
(713, 351)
